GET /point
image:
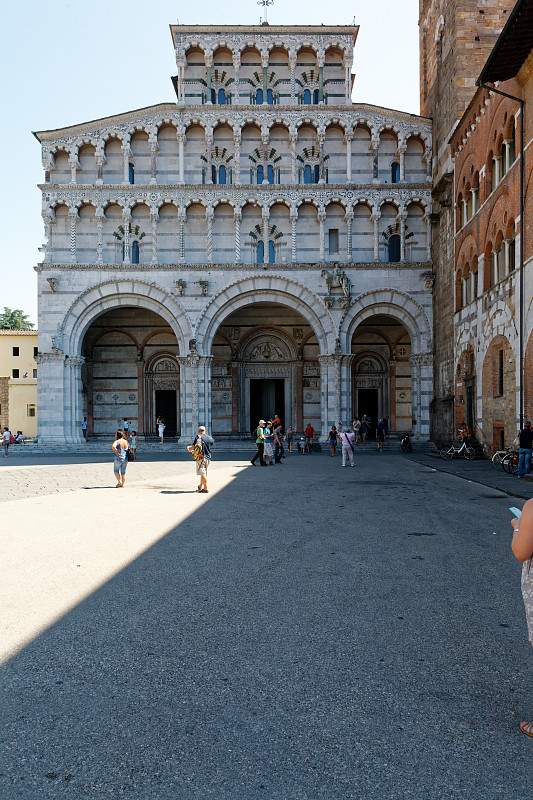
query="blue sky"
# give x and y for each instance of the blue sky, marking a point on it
(67, 61)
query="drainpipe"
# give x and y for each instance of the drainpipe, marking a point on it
(522, 104)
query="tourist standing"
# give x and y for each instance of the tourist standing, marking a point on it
(289, 436)
(126, 426)
(120, 461)
(84, 425)
(356, 427)
(269, 444)
(332, 439)
(200, 450)
(525, 449)
(347, 440)
(309, 434)
(260, 444)
(279, 450)
(522, 546)
(380, 435)
(133, 445)
(6, 441)
(160, 428)
(363, 430)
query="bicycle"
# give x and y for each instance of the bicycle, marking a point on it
(499, 456)
(510, 463)
(453, 451)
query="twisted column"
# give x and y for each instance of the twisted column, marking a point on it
(73, 219)
(182, 217)
(154, 216)
(237, 157)
(376, 216)
(209, 218)
(292, 74)
(236, 79)
(180, 134)
(209, 77)
(126, 216)
(293, 218)
(99, 215)
(349, 221)
(237, 219)
(321, 220)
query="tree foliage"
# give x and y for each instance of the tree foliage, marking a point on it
(14, 319)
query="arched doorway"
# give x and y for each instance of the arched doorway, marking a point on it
(131, 372)
(265, 361)
(499, 394)
(381, 372)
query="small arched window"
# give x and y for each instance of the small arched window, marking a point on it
(270, 173)
(213, 96)
(270, 97)
(222, 174)
(260, 251)
(135, 252)
(213, 173)
(394, 248)
(131, 173)
(271, 252)
(306, 97)
(395, 172)
(260, 174)
(221, 96)
(316, 173)
(316, 96)
(259, 97)
(308, 174)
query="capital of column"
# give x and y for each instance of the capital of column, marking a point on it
(237, 214)
(73, 211)
(180, 134)
(208, 58)
(236, 59)
(348, 137)
(264, 58)
(74, 362)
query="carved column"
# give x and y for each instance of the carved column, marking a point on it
(100, 160)
(154, 216)
(51, 399)
(237, 220)
(73, 221)
(376, 216)
(321, 57)
(126, 217)
(99, 216)
(401, 153)
(293, 138)
(237, 156)
(321, 221)
(208, 154)
(126, 154)
(402, 217)
(182, 218)
(180, 133)
(152, 141)
(209, 212)
(321, 170)
(293, 219)
(264, 152)
(48, 216)
(236, 78)
(74, 164)
(180, 64)
(264, 64)
(265, 213)
(348, 140)
(292, 73)
(73, 390)
(374, 149)
(209, 76)
(348, 80)
(349, 221)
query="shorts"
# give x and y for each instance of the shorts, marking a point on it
(201, 466)
(120, 465)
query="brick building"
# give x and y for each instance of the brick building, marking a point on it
(456, 36)
(493, 340)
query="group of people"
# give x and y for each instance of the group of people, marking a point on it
(9, 438)
(269, 441)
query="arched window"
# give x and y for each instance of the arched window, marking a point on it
(222, 174)
(260, 174)
(213, 174)
(308, 174)
(135, 252)
(259, 96)
(260, 251)
(395, 172)
(213, 96)
(271, 252)
(306, 97)
(270, 173)
(316, 96)
(316, 173)
(270, 97)
(394, 248)
(131, 173)
(221, 96)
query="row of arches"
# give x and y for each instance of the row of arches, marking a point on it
(498, 261)
(279, 234)
(275, 155)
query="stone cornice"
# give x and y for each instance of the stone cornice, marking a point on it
(243, 268)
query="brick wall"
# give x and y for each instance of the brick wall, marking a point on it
(499, 407)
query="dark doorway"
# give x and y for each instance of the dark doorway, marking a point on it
(267, 396)
(367, 404)
(165, 407)
(470, 406)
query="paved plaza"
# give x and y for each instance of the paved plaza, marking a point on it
(302, 632)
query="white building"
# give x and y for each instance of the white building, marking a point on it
(260, 245)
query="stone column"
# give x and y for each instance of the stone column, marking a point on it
(209, 74)
(74, 164)
(237, 220)
(264, 152)
(473, 192)
(126, 217)
(330, 381)
(464, 212)
(126, 154)
(265, 213)
(429, 166)
(100, 160)
(154, 216)
(237, 156)
(507, 155)
(321, 169)
(422, 391)
(374, 149)
(401, 153)
(152, 140)
(402, 217)
(73, 389)
(196, 393)
(182, 218)
(348, 80)
(427, 220)
(292, 74)
(264, 64)
(376, 216)
(293, 138)
(209, 212)
(73, 221)
(208, 154)
(51, 399)
(236, 78)
(180, 64)
(349, 221)
(348, 140)
(180, 133)
(293, 217)
(99, 215)
(321, 57)
(321, 221)
(48, 216)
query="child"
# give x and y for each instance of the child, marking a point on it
(133, 445)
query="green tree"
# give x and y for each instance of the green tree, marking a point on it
(14, 319)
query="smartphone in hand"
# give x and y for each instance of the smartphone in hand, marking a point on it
(515, 512)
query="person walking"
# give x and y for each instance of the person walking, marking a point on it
(132, 441)
(120, 461)
(6, 441)
(160, 428)
(260, 444)
(522, 547)
(200, 450)
(347, 440)
(84, 426)
(332, 439)
(126, 426)
(525, 449)
(309, 434)
(289, 436)
(269, 444)
(380, 435)
(279, 450)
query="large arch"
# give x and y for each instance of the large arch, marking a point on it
(114, 294)
(273, 289)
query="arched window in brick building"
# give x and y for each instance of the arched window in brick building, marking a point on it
(395, 172)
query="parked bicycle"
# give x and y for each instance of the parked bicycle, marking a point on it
(510, 462)
(462, 451)
(500, 455)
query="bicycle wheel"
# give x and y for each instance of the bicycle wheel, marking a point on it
(446, 453)
(507, 463)
(497, 457)
(470, 453)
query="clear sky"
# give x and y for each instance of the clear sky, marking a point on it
(68, 61)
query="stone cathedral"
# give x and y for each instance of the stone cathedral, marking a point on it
(261, 244)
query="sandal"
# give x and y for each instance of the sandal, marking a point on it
(526, 728)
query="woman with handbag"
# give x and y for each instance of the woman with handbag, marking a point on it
(200, 450)
(522, 546)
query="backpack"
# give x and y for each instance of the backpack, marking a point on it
(11, 438)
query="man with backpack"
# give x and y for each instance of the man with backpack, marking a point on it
(347, 439)
(200, 450)
(7, 439)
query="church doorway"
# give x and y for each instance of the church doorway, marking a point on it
(368, 405)
(267, 397)
(166, 408)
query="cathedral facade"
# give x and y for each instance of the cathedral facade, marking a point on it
(260, 245)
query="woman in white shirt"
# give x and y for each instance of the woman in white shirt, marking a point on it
(120, 461)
